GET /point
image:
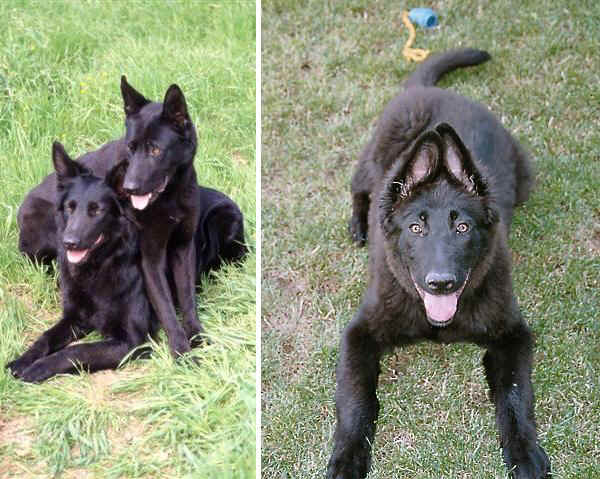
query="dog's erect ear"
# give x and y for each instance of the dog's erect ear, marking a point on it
(133, 101)
(175, 108)
(425, 160)
(65, 167)
(420, 166)
(458, 161)
(114, 178)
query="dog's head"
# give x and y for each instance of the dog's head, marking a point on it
(438, 220)
(160, 139)
(88, 209)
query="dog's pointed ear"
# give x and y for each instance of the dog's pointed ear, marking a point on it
(420, 167)
(458, 161)
(133, 101)
(175, 108)
(64, 166)
(425, 159)
(421, 164)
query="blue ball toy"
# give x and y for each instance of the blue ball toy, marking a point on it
(424, 17)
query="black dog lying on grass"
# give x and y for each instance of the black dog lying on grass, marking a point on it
(437, 201)
(101, 281)
(186, 230)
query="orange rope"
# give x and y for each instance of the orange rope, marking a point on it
(412, 54)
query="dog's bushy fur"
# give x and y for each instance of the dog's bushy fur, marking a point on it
(434, 191)
(101, 280)
(186, 230)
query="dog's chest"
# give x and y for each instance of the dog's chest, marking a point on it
(160, 222)
(80, 302)
(406, 322)
(92, 302)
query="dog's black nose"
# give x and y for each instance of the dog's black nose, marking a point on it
(70, 242)
(440, 282)
(131, 187)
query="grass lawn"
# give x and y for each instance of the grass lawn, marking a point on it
(60, 68)
(328, 70)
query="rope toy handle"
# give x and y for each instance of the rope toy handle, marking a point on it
(412, 54)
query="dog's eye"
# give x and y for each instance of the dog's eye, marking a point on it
(154, 151)
(93, 209)
(415, 228)
(70, 207)
(131, 146)
(462, 227)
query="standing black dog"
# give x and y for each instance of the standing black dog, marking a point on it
(187, 230)
(437, 201)
(101, 282)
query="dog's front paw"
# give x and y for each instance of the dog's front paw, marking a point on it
(179, 344)
(37, 372)
(357, 230)
(198, 340)
(196, 335)
(19, 365)
(349, 462)
(534, 464)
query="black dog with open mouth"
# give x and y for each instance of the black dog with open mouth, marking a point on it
(435, 190)
(101, 280)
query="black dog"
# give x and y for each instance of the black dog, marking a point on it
(187, 230)
(101, 281)
(439, 266)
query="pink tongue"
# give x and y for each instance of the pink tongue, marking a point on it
(140, 202)
(75, 256)
(440, 308)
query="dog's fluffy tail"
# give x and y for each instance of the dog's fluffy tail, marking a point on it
(432, 69)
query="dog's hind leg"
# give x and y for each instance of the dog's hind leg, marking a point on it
(92, 357)
(219, 237)
(233, 246)
(362, 185)
(356, 401)
(508, 372)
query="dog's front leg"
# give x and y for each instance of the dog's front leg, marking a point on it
(356, 402)
(154, 266)
(182, 260)
(57, 337)
(361, 190)
(508, 372)
(90, 356)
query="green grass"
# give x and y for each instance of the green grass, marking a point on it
(60, 67)
(328, 70)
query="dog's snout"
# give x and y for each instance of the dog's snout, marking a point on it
(70, 242)
(440, 282)
(131, 186)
